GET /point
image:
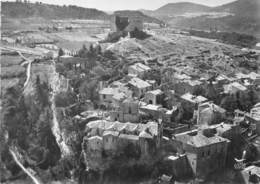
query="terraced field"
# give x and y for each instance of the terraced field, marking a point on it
(189, 54)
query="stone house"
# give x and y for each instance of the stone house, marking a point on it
(187, 86)
(154, 97)
(113, 137)
(138, 69)
(106, 95)
(254, 117)
(209, 113)
(110, 139)
(114, 95)
(128, 111)
(139, 87)
(190, 102)
(206, 152)
(94, 146)
(251, 175)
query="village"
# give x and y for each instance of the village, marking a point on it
(148, 97)
(200, 125)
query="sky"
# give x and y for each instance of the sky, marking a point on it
(111, 5)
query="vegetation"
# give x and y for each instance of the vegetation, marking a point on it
(242, 40)
(12, 71)
(141, 35)
(27, 120)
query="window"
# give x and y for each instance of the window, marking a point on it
(130, 110)
(202, 154)
(208, 152)
(104, 96)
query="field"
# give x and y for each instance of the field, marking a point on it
(10, 60)
(12, 71)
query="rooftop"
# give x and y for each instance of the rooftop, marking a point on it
(151, 107)
(194, 82)
(156, 92)
(129, 137)
(108, 91)
(213, 107)
(197, 139)
(237, 85)
(181, 76)
(194, 99)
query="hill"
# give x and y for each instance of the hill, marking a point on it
(28, 10)
(173, 9)
(139, 15)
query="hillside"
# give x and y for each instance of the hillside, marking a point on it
(139, 15)
(241, 8)
(28, 10)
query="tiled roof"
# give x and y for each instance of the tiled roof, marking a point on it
(132, 128)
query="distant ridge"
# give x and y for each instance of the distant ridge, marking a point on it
(138, 14)
(239, 16)
(28, 10)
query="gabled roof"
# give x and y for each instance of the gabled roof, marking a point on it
(140, 67)
(150, 127)
(139, 83)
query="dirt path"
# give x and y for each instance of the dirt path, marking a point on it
(35, 180)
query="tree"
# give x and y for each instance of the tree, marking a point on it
(229, 103)
(88, 90)
(83, 52)
(43, 127)
(61, 52)
(98, 49)
(199, 91)
(210, 92)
